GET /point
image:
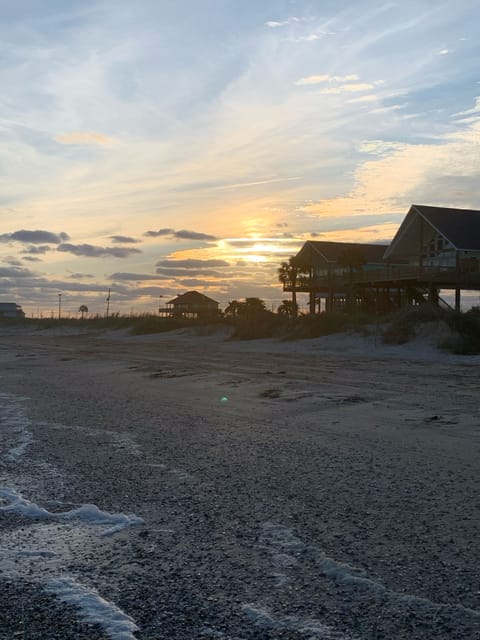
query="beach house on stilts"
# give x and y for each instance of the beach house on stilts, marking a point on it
(435, 248)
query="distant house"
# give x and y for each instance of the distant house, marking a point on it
(11, 310)
(191, 305)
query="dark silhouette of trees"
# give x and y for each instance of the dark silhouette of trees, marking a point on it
(233, 309)
(288, 274)
(253, 306)
(288, 309)
(83, 309)
(251, 318)
(247, 307)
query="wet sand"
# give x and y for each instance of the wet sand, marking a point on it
(300, 490)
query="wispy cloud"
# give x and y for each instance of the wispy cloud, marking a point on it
(348, 88)
(135, 277)
(255, 183)
(318, 79)
(445, 173)
(192, 264)
(388, 109)
(84, 137)
(172, 273)
(275, 24)
(371, 97)
(474, 110)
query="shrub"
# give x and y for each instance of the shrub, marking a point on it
(466, 330)
(402, 325)
(263, 324)
(314, 326)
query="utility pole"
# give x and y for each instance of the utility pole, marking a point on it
(59, 306)
(108, 302)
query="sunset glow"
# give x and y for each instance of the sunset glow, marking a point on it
(132, 162)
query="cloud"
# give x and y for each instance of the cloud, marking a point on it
(193, 235)
(136, 277)
(392, 107)
(274, 24)
(359, 86)
(37, 250)
(318, 79)
(444, 173)
(474, 110)
(34, 237)
(312, 80)
(79, 276)
(13, 262)
(84, 137)
(174, 273)
(124, 239)
(368, 98)
(379, 147)
(309, 38)
(196, 282)
(15, 272)
(91, 251)
(255, 183)
(159, 233)
(192, 264)
(183, 234)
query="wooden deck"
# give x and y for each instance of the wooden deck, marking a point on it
(390, 277)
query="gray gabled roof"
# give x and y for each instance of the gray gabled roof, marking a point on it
(460, 227)
(193, 297)
(316, 252)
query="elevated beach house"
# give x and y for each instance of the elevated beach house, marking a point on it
(190, 305)
(326, 270)
(434, 248)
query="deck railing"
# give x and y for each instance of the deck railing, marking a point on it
(391, 275)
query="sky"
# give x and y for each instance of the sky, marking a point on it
(156, 147)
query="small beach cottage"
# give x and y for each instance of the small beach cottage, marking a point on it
(191, 305)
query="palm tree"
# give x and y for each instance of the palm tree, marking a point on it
(83, 309)
(233, 309)
(287, 309)
(254, 306)
(288, 273)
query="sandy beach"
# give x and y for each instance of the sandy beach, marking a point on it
(185, 486)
